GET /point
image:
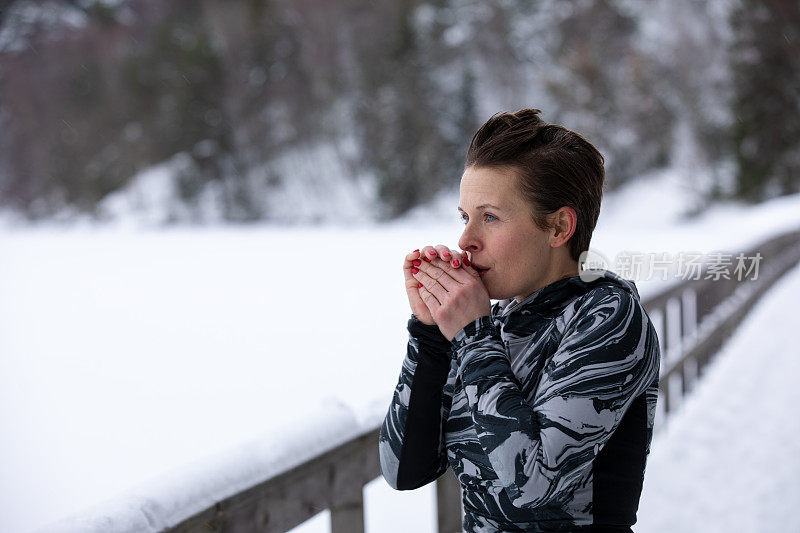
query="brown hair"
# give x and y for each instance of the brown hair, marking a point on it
(556, 167)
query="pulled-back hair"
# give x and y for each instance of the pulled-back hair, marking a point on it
(555, 167)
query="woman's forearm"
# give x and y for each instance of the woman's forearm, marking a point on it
(412, 451)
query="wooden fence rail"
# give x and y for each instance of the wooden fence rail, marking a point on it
(693, 318)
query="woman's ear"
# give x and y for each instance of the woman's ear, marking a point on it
(565, 221)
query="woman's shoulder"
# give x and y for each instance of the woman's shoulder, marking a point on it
(605, 291)
(603, 302)
(597, 301)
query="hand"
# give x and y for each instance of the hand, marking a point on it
(455, 296)
(410, 267)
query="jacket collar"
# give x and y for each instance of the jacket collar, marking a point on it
(558, 294)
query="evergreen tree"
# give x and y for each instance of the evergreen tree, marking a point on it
(766, 106)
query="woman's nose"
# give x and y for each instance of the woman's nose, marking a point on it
(468, 242)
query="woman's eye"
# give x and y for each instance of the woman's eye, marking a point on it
(489, 218)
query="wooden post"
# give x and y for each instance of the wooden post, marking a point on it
(448, 503)
(348, 516)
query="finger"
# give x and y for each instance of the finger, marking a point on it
(444, 252)
(463, 273)
(466, 262)
(408, 274)
(457, 258)
(467, 267)
(471, 271)
(427, 253)
(410, 258)
(413, 255)
(410, 265)
(431, 285)
(456, 275)
(429, 300)
(448, 276)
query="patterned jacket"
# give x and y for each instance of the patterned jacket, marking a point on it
(544, 410)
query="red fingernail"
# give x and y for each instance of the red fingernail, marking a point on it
(466, 261)
(416, 262)
(426, 259)
(446, 255)
(419, 286)
(417, 250)
(414, 270)
(455, 262)
(432, 252)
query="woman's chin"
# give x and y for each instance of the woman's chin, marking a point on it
(493, 294)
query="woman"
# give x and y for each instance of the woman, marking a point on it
(542, 403)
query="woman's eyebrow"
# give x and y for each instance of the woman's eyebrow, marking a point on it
(482, 206)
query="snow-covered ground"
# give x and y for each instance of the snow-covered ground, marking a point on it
(729, 458)
(145, 374)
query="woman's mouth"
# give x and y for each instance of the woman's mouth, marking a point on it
(481, 270)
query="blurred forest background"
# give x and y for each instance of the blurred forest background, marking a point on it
(310, 110)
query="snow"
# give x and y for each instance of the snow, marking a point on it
(186, 490)
(150, 199)
(126, 354)
(147, 373)
(25, 19)
(729, 458)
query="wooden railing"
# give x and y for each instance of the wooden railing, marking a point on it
(693, 319)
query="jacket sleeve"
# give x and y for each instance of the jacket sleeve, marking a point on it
(411, 446)
(542, 452)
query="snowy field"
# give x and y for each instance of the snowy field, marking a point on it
(164, 370)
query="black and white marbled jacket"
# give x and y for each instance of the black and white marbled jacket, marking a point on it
(544, 410)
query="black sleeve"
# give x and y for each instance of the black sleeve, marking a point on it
(412, 436)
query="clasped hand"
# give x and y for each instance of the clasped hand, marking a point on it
(443, 289)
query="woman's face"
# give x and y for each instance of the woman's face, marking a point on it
(501, 237)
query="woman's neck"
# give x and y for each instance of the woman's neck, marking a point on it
(565, 269)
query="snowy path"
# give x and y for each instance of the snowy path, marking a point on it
(729, 458)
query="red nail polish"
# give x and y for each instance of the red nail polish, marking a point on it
(432, 252)
(466, 261)
(420, 285)
(426, 259)
(446, 255)
(456, 263)
(414, 270)
(417, 250)
(416, 262)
